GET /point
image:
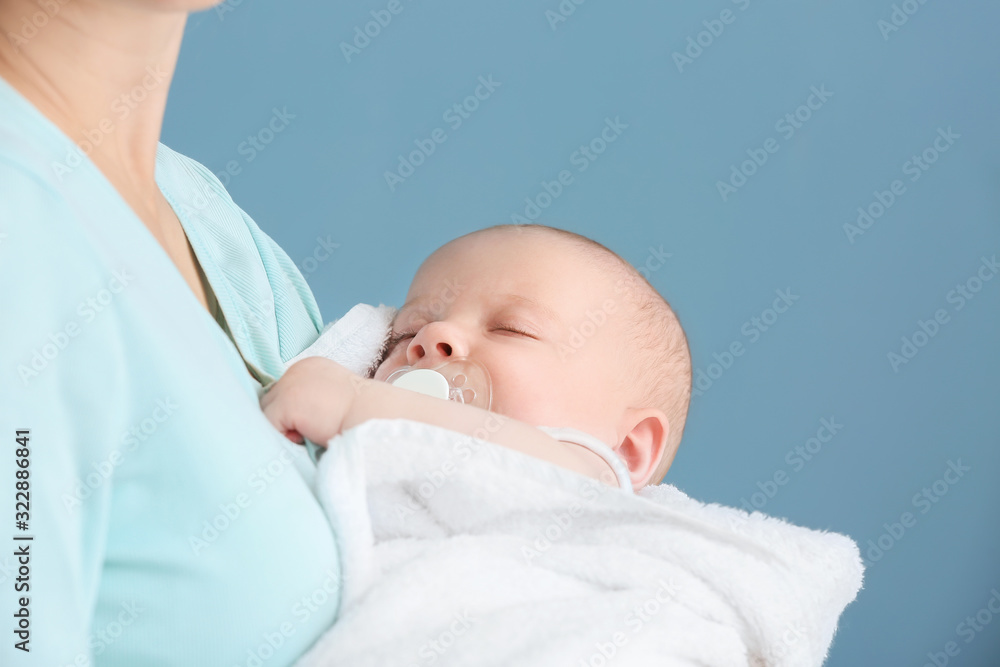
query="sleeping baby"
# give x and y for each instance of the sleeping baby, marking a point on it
(459, 552)
(584, 361)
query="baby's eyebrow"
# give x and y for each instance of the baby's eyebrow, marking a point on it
(532, 304)
(509, 299)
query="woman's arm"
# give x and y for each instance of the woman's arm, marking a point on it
(59, 365)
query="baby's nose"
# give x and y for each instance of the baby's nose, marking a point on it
(437, 341)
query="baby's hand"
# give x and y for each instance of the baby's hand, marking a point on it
(311, 400)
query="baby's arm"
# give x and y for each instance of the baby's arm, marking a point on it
(317, 399)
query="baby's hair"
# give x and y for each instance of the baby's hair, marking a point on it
(662, 367)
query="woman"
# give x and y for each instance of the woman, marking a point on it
(142, 312)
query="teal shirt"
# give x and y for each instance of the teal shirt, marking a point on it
(171, 524)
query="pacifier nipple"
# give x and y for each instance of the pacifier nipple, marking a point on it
(461, 380)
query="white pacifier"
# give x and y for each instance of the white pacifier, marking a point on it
(462, 380)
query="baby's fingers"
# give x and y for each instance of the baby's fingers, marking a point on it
(273, 403)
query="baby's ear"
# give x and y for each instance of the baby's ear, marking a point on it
(644, 444)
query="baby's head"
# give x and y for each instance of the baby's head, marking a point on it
(571, 334)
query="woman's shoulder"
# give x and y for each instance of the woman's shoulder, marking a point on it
(179, 171)
(203, 201)
(189, 183)
(35, 211)
(245, 266)
(28, 171)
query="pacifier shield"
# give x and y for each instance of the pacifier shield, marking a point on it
(424, 381)
(462, 380)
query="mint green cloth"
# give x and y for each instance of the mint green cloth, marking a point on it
(172, 524)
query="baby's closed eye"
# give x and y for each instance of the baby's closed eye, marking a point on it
(515, 329)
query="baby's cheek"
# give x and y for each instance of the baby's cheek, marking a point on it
(531, 403)
(391, 363)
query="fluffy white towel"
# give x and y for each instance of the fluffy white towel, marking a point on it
(460, 552)
(355, 341)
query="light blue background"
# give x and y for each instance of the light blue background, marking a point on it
(323, 177)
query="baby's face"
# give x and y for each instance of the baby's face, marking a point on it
(546, 322)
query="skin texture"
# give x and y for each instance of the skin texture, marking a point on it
(510, 300)
(84, 58)
(317, 399)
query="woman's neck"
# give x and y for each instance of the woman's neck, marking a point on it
(100, 71)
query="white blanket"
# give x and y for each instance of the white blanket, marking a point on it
(356, 341)
(460, 552)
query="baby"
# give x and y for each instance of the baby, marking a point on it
(571, 335)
